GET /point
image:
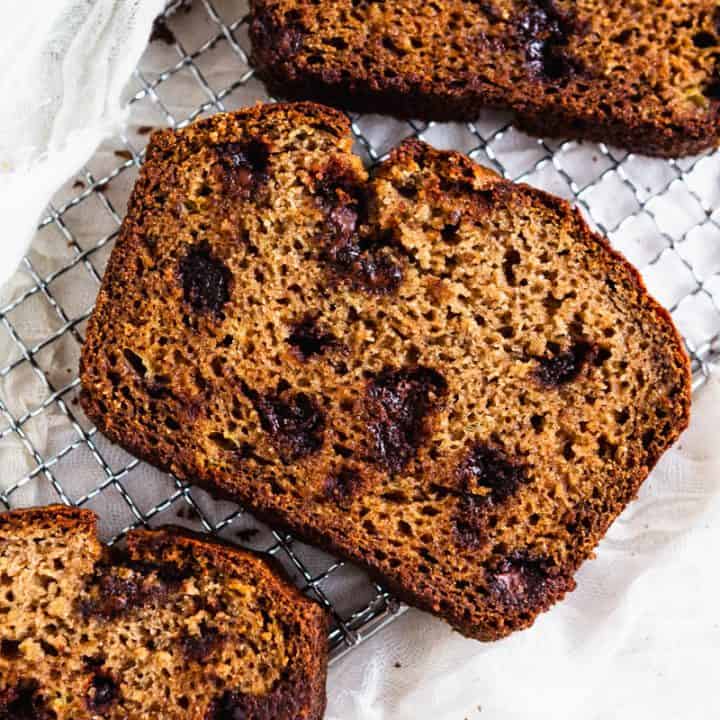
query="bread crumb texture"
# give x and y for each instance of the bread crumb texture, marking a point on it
(439, 374)
(644, 75)
(176, 627)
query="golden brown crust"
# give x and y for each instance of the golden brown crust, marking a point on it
(78, 618)
(441, 375)
(644, 78)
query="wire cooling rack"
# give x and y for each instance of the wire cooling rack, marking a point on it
(659, 213)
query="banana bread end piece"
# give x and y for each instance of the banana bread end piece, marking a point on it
(176, 627)
(644, 76)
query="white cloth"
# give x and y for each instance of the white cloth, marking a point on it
(638, 639)
(64, 65)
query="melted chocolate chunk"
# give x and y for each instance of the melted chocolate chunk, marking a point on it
(704, 40)
(520, 580)
(113, 597)
(712, 91)
(23, 702)
(101, 694)
(484, 468)
(397, 402)
(366, 263)
(308, 338)
(565, 366)
(205, 279)
(243, 166)
(115, 590)
(200, 647)
(94, 661)
(488, 467)
(294, 422)
(337, 182)
(377, 273)
(545, 30)
(285, 40)
(350, 247)
(9, 649)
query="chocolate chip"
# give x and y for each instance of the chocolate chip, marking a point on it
(200, 647)
(344, 219)
(23, 702)
(704, 40)
(337, 182)
(712, 91)
(449, 233)
(489, 468)
(113, 591)
(112, 596)
(366, 265)
(94, 661)
(10, 649)
(284, 41)
(545, 30)
(397, 402)
(205, 279)
(351, 248)
(294, 421)
(309, 339)
(521, 580)
(564, 367)
(101, 694)
(243, 166)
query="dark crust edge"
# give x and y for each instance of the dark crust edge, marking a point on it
(65, 516)
(138, 447)
(335, 120)
(377, 94)
(316, 619)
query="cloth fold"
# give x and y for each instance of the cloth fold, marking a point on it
(65, 65)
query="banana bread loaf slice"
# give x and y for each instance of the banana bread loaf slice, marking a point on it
(175, 627)
(641, 75)
(439, 374)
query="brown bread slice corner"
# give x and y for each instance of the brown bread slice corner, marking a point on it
(644, 76)
(439, 374)
(176, 627)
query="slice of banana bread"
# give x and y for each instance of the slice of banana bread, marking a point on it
(439, 374)
(641, 75)
(176, 627)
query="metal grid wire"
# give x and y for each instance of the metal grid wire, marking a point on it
(659, 213)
